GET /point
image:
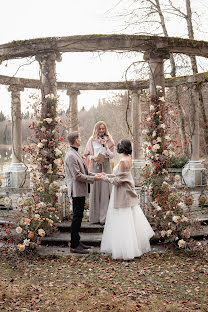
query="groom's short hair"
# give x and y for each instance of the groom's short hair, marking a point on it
(72, 137)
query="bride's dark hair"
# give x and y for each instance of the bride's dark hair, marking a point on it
(124, 147)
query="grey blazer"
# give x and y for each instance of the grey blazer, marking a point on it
(76, 174)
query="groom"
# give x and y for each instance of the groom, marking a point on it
(77, 179)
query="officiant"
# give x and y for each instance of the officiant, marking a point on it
(98, 152)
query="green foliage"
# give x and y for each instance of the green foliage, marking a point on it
(178, 161)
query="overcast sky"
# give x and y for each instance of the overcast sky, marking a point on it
(23, 19)
(44, 18)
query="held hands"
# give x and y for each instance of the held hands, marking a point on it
(98, 176)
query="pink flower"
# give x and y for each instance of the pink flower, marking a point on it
(61, 139)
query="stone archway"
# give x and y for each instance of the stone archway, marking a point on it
(155, 49)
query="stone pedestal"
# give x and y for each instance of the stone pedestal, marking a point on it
(194, 174)
(137, 166)
(17, 176)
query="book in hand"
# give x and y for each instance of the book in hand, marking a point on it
(100, 158)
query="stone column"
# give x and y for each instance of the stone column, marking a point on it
(73, 109)
(17, 172)
(156, 64)
(137, 153)
(47, 64)
(194, 172)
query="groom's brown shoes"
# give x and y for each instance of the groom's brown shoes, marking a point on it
(79, 250)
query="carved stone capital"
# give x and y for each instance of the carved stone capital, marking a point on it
(72, 92)
(15, 88)
(157, 54)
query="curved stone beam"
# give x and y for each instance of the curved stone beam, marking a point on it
(89, 43)
(123, 85)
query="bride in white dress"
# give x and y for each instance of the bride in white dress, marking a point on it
(127, 231)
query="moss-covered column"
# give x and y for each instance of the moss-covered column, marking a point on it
(47, 64)
(156, 63)
(73, 109)
(16, 175)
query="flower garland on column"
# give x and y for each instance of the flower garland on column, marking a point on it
(167, 205)
(39, 212)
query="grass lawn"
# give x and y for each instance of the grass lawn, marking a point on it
(172, 281)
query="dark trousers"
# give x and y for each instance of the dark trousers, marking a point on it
(78, 209)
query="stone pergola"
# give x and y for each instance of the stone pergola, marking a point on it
(48, 50)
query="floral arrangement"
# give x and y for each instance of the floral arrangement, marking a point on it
(166, 210)
(38, 213)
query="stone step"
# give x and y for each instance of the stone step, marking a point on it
(65, 251)
(200, 233)
(91, 239)
(86, 227)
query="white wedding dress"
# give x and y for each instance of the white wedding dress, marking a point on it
(127, 231)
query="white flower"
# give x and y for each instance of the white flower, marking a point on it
(144, 131)
(187, 233)
(171, 153)
(51, 95)
(43, 129)
(40, 145)
(46, 181)
(156, 156)
(181, 205)
(63, 188)
(18, 230)
(158, 208)
(20, 201)
(57, 161)
(158, 87)
(41, 232)
(181, 243)
(37, 217)
(57, 152)
(155, 147)
(26, 242)
(44, 141)
(48, 120)
(162, 99)
(165, 152)
(159, 139)
(148, 118)
(7, 201)
(169, 232)
(163, 233)
(153, 133)
(175, 219)
(21, 247)
(151, 108)
(57, 119)
(163, 126)
(167, 137)
(41, 205)
(185, 219)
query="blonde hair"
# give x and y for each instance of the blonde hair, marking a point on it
(96, 127)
